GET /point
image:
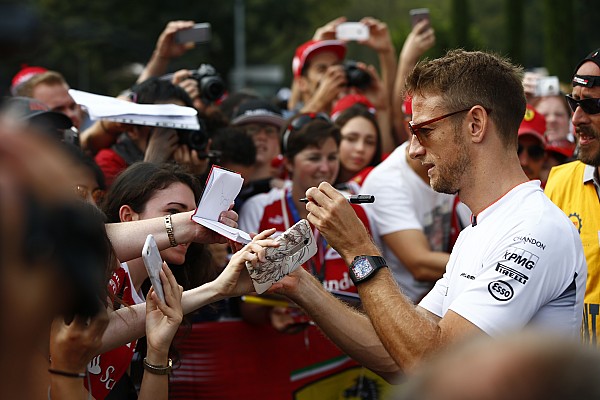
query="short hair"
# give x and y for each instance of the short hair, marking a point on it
(313, 133)
(468, 78)
(235, 146)
(154, 90)
(360, 110)
(46, 78)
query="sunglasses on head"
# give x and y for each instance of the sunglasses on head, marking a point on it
(535, 151)
(299, 122)
(589, 106)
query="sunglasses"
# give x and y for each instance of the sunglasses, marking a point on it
(298, 123)
(535, 151)
(589, 106)
(415, 129)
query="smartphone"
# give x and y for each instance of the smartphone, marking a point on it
(547, 86)
(199, 33)
(417, 15)
(352, 31)
(153, 263)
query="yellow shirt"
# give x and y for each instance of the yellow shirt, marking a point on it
(571, 187)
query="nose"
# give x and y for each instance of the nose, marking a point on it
(524, 158)
(415, 150)
(580, 117)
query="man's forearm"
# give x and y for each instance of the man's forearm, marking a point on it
(350, 330)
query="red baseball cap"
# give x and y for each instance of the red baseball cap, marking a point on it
(533, 124)
(25, 74)
(312, 47)
(348, 101)
(561, 146)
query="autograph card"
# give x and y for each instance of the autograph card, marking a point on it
(296, 246)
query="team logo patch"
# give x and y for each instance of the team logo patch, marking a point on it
(501, 290)
(521, 257)
(512, 273)
(576, 220)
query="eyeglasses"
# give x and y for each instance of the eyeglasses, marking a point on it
(414, 129)
(298, 123)
(589, 106)
(83, 192)
(535, 151)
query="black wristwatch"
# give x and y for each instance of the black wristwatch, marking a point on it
(364, 267)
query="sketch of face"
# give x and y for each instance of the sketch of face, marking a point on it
(175, 198)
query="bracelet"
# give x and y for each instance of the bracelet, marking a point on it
(158, 369)
(67, 374)
(169, 229)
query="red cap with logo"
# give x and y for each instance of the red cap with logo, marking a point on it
(312, 47)
(348, 101)
(25, 74)
(533, 124)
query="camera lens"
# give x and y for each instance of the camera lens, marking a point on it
(355, 76)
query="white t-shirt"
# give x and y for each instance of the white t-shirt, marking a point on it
(522, 263)
(403, 201)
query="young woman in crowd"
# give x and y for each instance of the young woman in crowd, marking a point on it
(360, 147)
(145, 191)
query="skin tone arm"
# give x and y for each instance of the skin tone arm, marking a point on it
(128, 323)
(162, 322)
(166, 49)
(418, 41)
(413, 250)
(407, 333)
(72, 346)
(128, 238)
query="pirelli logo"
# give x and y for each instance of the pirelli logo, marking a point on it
(512, 273)
(521, 257)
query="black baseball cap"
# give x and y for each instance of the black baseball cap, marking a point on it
(258, 111)
(35, 112)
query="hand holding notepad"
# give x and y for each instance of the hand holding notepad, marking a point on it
(222, 187)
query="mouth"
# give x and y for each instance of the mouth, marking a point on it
(586, 136)
(429, 167)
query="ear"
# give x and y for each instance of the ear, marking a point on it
(302, 84)
(479, 120)
(126, 214)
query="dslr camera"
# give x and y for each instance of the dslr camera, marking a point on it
(210, 83)
(355, 76)
(195, 139)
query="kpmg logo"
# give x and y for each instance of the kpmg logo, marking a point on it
(512, 273)
(521, 257)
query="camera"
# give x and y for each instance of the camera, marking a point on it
(194, 139)
(210, 83)
(355, 76)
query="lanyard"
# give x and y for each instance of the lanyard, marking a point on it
(320, 239)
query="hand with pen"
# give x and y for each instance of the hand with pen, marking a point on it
(331, 213)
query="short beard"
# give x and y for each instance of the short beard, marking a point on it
(450, 175)
(590, 157)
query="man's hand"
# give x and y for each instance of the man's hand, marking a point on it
(379, 35)
(332, 84)
(184, 156)
(161, 145)
(418, 41)
(166, 46)
(330, 212)
(327, 31)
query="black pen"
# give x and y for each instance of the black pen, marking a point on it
(354, 199)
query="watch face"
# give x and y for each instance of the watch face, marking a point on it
(362, 268)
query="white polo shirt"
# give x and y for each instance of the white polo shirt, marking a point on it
(522, 263)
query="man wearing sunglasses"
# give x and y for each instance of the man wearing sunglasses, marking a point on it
(575, 187)
(532, 143)
(520, 263)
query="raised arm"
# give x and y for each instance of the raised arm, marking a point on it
(408, 333)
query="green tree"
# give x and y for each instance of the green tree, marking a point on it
(558, 35)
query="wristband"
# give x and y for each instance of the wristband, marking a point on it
(169, 229)
(67, 374)
(158, 369)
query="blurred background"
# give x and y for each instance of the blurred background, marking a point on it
(101, 46)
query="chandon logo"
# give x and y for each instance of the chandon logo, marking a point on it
(526, 239)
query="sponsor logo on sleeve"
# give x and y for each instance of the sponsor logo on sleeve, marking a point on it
(501, 290)
(512, 273)
(471, 277)
(530, 240)
(521, 257)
